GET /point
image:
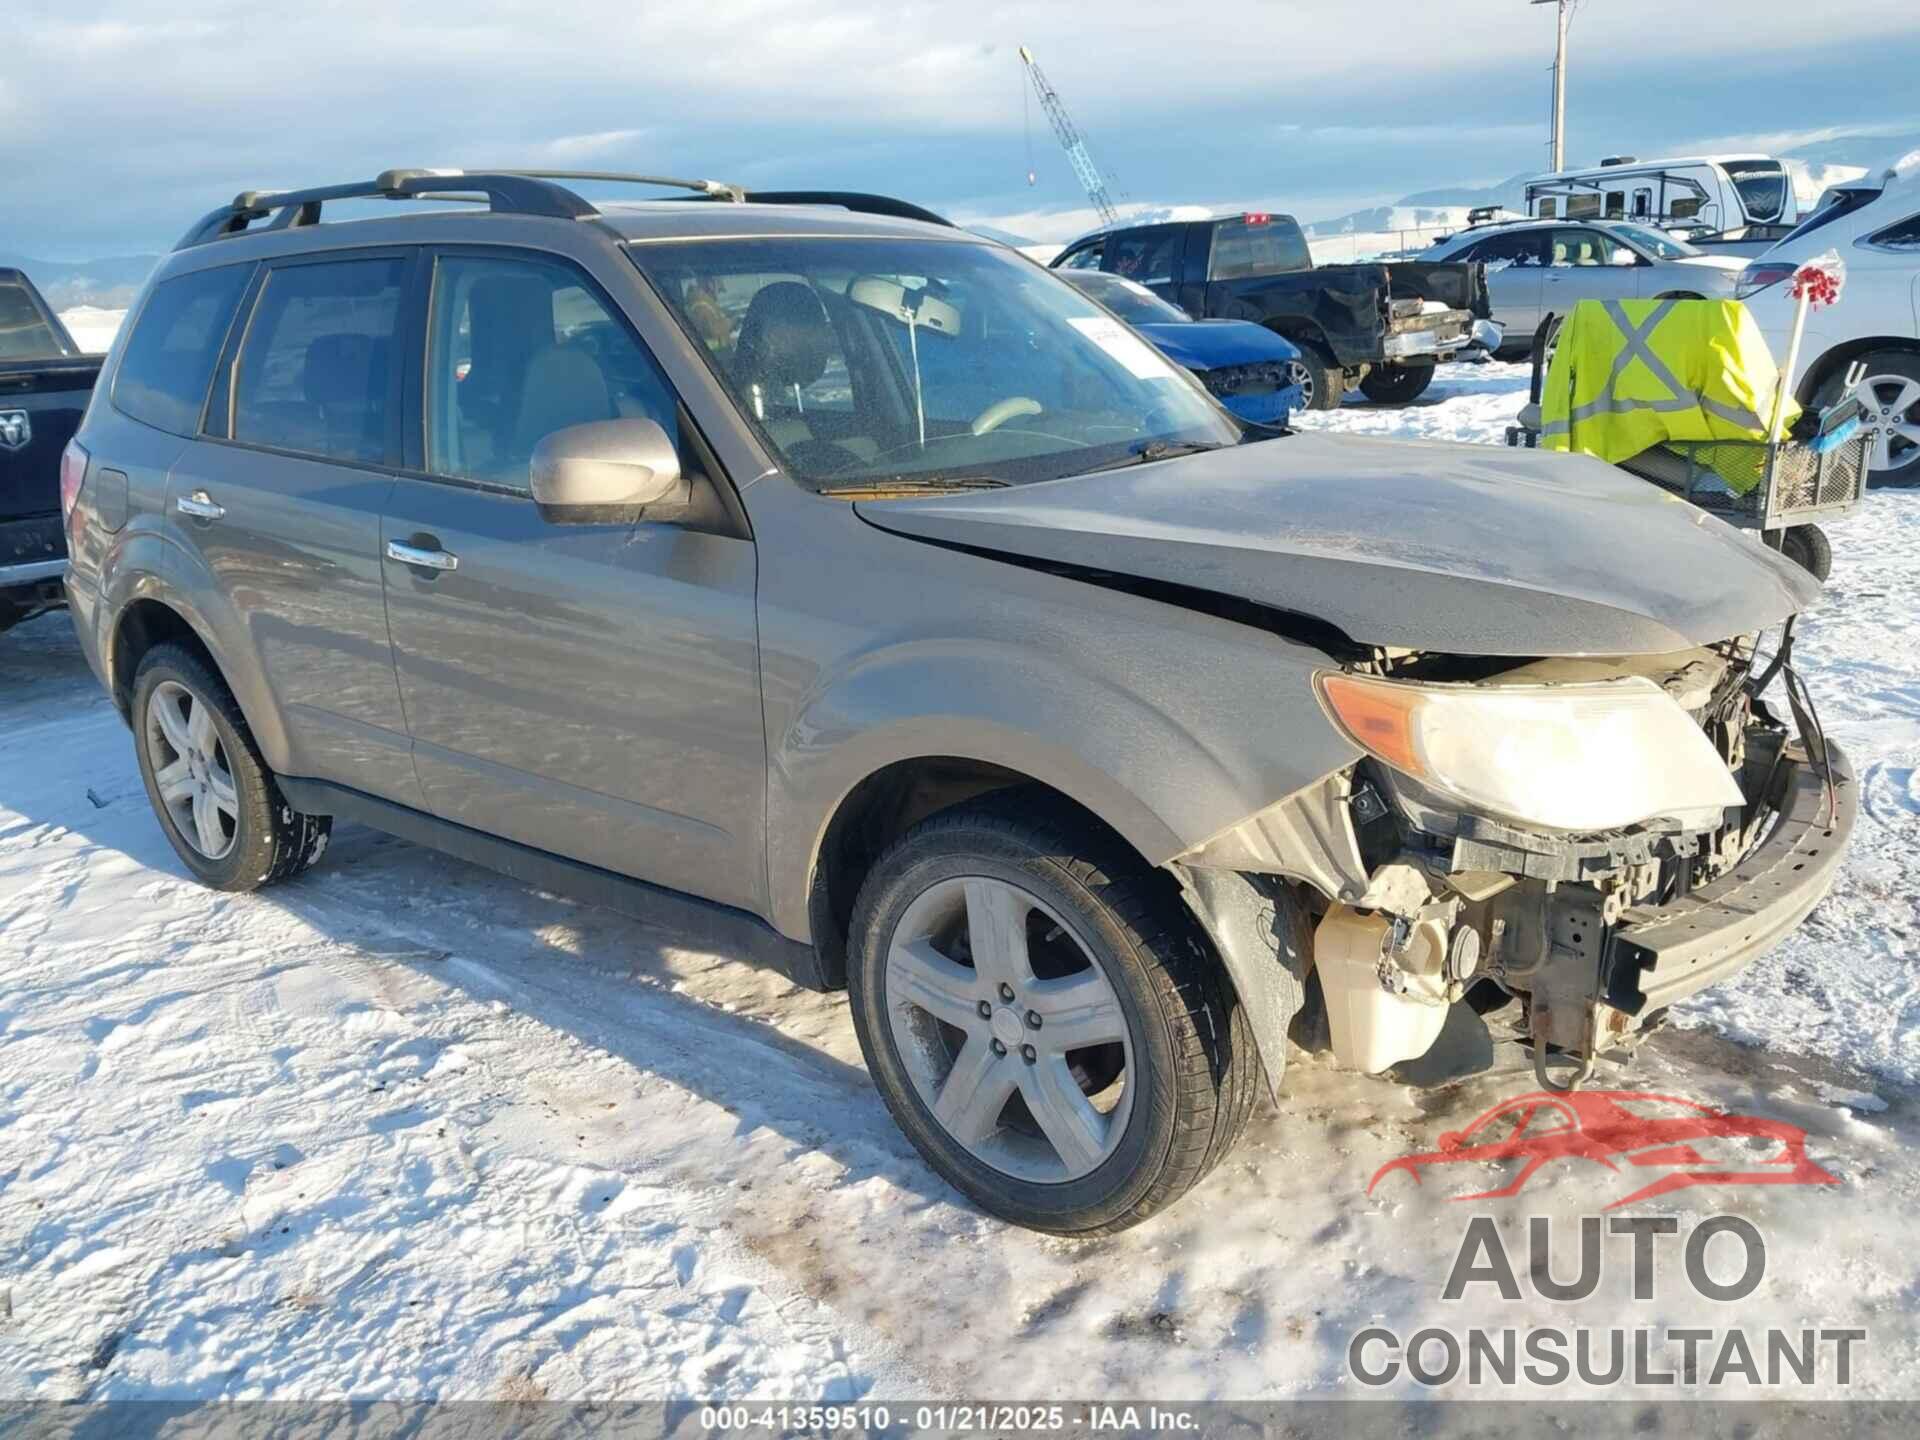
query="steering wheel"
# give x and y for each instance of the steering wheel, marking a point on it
(1001, 411)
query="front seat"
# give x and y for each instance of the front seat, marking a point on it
(784, 344)
(565, 386)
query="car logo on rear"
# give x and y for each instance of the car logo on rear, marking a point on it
(15, 431)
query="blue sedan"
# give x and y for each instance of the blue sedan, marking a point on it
(1246, 367)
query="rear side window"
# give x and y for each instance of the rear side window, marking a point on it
(1144, 256)
(170, 355)
(1499, 252)
(1904, 236)
(316, 370)
(1257, 247)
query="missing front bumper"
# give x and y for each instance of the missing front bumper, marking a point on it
(1597, 982)
(1659, 954)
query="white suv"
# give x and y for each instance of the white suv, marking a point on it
(1875, 227)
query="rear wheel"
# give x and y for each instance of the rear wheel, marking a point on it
(1045, 1019)
(1891, 395)
(1396, 384)
(1321, 383)
(217, 801)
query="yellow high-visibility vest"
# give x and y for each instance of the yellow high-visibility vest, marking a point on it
(1628, 374)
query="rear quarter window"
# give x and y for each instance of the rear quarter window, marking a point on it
(24, 331)
(168, 363)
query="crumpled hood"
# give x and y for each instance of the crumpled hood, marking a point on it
(1216, 344)
(1465, 549)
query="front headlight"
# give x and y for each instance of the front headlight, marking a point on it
(1576, 758)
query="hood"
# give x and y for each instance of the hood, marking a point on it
(1216, 344)
(1464, 549)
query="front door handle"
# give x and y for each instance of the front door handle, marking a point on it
(427, 559)
(200, 505)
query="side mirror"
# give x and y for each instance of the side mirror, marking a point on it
(607, 472)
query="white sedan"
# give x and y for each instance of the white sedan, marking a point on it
(1537, 268)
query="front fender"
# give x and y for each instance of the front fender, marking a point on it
(998, 704)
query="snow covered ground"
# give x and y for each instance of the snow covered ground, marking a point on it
(404, 1128)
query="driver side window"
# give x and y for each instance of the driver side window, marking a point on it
(519, 348)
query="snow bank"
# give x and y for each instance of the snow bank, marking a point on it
(92, 328)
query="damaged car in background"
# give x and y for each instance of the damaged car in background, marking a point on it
(862, 598)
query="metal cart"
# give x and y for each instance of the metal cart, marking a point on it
(1778, 488)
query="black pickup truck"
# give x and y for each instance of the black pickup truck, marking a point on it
(45, 383)
(1379, 327)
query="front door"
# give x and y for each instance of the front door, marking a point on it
(282, 500)
(590, 690)
(1589, 265)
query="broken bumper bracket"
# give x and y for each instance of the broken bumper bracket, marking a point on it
(1659, 954)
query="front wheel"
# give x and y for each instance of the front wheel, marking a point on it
(1044, 1018)
(1396, 384)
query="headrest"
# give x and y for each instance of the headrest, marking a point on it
(785, 339)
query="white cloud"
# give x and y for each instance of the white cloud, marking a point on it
(923, 97)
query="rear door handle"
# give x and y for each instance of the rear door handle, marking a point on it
(427, 559)
(200, 505)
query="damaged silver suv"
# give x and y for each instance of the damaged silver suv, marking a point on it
(862, 598)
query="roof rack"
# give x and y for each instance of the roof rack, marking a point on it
(508, 192)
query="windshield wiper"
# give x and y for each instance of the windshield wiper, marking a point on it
(886, 489)
(1159, 450)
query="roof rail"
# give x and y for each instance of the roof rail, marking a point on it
(857, 201)
(510, 192)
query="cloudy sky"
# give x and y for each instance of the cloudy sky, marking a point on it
(122, 120)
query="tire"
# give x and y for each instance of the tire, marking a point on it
(1808, 547)
(266, 839)
(1397, 384)
(1891, 393)
(1322, 387)
(1091, 914)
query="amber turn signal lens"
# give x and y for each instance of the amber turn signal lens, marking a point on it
(1378, 717)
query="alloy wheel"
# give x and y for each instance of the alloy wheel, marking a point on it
(191, 770)
(1298, 374)
(1012, 1034)
(1893, 421)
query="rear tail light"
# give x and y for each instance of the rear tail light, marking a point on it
(1760, 275)
(73, 473)
(1257, 217)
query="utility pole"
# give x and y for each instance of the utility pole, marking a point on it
(1560, 84)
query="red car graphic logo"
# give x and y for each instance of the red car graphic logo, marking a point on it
(1694, 1144)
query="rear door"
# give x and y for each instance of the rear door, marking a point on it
(592, 690)
(1516, 269)
(281, 501)
(1149, 256)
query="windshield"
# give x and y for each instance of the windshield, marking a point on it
(1133, 303)
(1661, 247)
(24, 331)
(1763, 187)
(862, 360)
